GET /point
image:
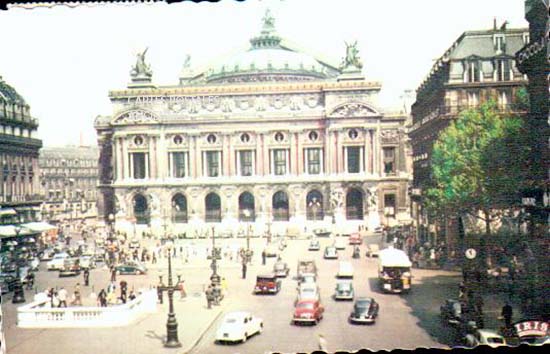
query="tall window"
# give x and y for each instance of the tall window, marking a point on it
(473, 99)
(313, 161)
(139, 167)
(353, 159)
(179, 208)
(473, 72)
(212, 163)
(279, 159)
(389, 204)
(389, 160)
(280, 206)
(503, 70)
(500, 44)
(178, 164)
(212, 208)
(246, 163)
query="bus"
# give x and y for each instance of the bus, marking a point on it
(394, 271)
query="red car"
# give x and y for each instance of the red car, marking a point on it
(355, 239)
(308, 311)
(267, 284)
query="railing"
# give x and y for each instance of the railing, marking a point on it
(247, 215)
(315, 215)
(213, 215)
(38, 315)
(280, 214)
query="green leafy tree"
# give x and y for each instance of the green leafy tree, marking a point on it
(477, 165)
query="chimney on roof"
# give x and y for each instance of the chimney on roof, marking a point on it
(503, 27)
(81, 138)
(494, 23)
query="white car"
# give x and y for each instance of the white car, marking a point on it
(308, 291)
(271, 250)
(345, 270)
(485, 337)
(330, 253)
(238, 326)
(340, 243)
(87, 261)
(373, 250)
(57, 261)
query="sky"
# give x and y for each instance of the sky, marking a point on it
(64, 60)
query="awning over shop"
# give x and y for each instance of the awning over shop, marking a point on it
(7, 211)
(9, 231)
(39, 226)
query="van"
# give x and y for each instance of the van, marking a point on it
(345, 270)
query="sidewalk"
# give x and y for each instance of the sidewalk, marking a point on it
(143, 337)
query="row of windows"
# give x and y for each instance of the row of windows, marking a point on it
(502, 72)
(245, 162)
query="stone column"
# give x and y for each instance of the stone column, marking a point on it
(265, 152)
(192, 156)
(292, 158)
(300, 157)
(340, 160)
(230, 157)
(367, 152)
(162, 156)
(152, 157)
(125, 158)
(327, 152)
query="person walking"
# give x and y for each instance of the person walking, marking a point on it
(113, 273)
(244, 270)
(323, 343)
(263, 257)
(183, 294)
(102, 297)
(209, 296)
(507, 313)
(62, 296)
(123, 290)
(154, 259)
(223, 284)
(86, 275)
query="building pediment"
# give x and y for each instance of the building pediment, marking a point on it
(136, 116)
(354, 109)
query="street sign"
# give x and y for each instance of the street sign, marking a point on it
(470, 253)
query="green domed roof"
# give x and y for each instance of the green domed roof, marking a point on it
(9, 95)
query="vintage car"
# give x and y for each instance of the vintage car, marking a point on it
(308, 291)
(280, 269)
(307, 278)
(7, 283)
(314, 245)
(373, 250)
(57, 261)
(365, 310)
(134, 244)
(308, 311)
(340, 243)
(344, 291)
(345, 270)
(322, 232)
(451, 311)
(484, 337)
(305, 266)
(272, 250)
(355, 239)
(238, 326)
(330, 253)
(87, 261)
(71, 267)
(267, 284)
(47, 254)
(131, 268)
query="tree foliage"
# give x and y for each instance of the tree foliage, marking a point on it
(477, 163)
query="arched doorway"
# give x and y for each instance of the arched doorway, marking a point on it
(246, 207)
(314, 205)
(280, 206)
(213, 208)
(179, 208)
(354, 204)
(141, 209)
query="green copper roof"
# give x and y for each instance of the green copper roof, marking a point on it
(9, 95)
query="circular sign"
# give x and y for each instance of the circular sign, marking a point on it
(470, 253)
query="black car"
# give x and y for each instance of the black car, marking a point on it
(365, 310)
(451, 311)
(7, 283)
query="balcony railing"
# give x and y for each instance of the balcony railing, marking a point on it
(280, 214)
(213, 215)
(247, 215)
(315, 215)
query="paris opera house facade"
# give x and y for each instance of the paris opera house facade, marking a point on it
(269, 137)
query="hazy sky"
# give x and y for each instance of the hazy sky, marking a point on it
(63, 60)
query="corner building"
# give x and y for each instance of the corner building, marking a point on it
(271, 136)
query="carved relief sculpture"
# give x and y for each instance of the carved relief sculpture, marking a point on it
(389, 136)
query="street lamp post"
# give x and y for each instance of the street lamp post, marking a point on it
(18, 291)
(111, 224)
(171, 324)
(214, 278)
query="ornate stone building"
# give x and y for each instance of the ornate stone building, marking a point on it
(477, 67)
(271, 136)
(20, 197)
(69, 177)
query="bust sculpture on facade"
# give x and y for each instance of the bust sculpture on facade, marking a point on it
(141, 69)
(373, 198)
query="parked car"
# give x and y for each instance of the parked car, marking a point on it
(7, 283)
(47, 254)
(134, 244)
(33, 263)
(485, 337)
(451, 311)
(314, 245)
(87, 261)
(322, 232)
(310, 278)
(305, 266)
(238, 326)
(330, 253)
(131, 268)
(71, 267)
(373, 250)
(267, 284)
(345, 270)
(344, 291)
(57, 261)
(281, 269)
(365, 310)
(308, 291)
(340, 243)
(272, 250)
(308, 311)
(355, 239)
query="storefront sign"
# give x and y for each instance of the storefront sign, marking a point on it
(531, 328)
